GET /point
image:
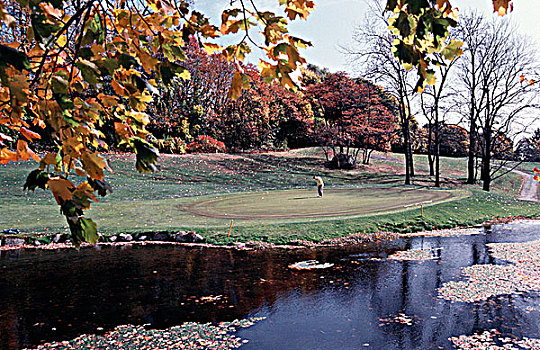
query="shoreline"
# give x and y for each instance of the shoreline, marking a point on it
(345, 241)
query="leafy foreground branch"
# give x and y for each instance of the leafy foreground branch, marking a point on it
(70, 68)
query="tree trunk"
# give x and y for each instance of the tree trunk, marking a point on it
(486, 161)
(471, 166)
(431, 159)
(406, 150)
(437, 139)
(437, 166)
(369, 156)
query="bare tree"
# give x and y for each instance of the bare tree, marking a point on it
(434, 109)
(497, 86)
(372, 53)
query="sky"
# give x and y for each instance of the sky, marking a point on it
(331, 24)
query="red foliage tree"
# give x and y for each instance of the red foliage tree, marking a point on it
(355, 116)
(189, 108)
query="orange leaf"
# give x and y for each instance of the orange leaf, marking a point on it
(445, 7)
(536, 177)
(39, 122)
(5, 17)
(25, 152)
(80, 172)
(6, 155)
(536, 170)
(30, 135)
(235, 90)
(83, 194)
(118, 88)
(61, 189)
(502, 7)
(50, 159)
(50, 11)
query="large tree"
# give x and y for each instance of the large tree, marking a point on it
(355, 116)
(373, 55)
(434, 109)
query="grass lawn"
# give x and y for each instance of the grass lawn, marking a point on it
(193, 192)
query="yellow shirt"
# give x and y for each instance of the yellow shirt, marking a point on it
(319, 180)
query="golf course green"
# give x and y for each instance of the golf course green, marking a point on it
(304, 203)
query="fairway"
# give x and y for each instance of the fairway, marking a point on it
(302, 203)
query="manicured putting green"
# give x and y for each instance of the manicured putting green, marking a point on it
(305, 203)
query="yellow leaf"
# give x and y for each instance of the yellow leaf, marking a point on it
(210, 48)
(140, 117)
(108, 101)
(300, 8)
(73, 147)
(61, 41)
(148, 62)
(83, 194)
(62, 189)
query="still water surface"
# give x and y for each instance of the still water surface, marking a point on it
(47, 296)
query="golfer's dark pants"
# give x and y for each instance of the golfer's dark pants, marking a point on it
(319, 189)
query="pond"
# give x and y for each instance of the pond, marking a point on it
(363, 301)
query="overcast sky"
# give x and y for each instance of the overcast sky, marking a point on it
(332, 23)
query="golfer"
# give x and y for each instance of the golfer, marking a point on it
(320, 184)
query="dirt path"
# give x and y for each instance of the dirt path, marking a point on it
(529, 187)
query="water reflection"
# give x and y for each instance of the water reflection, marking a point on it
(77, 292)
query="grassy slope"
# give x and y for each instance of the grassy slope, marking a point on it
(148, 202)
